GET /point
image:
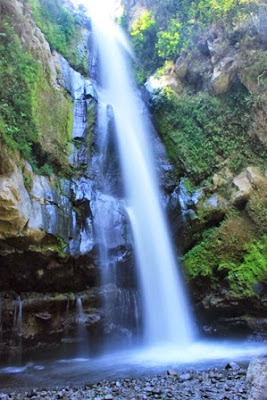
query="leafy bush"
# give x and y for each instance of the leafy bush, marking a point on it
(144, 38)
(168, 42)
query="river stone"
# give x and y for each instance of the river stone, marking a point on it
(257, 377)
(232, 365)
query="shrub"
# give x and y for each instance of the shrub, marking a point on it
(144, 38)
(168, 42)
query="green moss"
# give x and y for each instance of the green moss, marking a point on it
(28, 182)
(257, 210)
(52, 243)
(53, 117)
(252, 270)
(35, 118)
(203, 258)
(91, 118)
(234, 252)
(18, 75)
(198, 135)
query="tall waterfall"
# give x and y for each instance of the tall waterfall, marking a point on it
(166, 313)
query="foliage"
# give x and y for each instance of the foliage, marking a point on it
(144, 38)
(179, 22)
(18, 74)
(31, 111)
(198, 135)
(257, 209)
(203, 258)
(229, 251)
(252, 270)
(168, 41)
(61, 29)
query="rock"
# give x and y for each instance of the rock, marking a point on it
(14, 204)
(220, 82)
(215, 201)
(169, 79)
(185, 377)
(181, 67)
(255, 178)
(222, 178)
(244, 189)
(43, 316)
(232, 365)
(172, 373)
(223, 74)
(203, 47)
(257, 377)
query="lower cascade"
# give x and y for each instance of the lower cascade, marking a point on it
(124, 126)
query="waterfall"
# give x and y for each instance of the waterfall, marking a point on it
(166, 314)
(82, 339)
(17, 330)
(17, 321)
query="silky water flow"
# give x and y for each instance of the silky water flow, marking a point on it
(166, 315)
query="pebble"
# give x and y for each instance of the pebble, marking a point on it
(214, 384)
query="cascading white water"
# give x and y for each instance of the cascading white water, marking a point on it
(82, 338)
(166, 312)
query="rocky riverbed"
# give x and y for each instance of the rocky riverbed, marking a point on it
(227, 383)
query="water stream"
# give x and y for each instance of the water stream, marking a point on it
(166, 313)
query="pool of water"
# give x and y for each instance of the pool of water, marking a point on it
(47, 372)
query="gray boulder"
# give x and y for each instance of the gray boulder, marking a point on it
(257, 377)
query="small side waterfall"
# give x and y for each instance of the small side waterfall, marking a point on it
(17, 329)
(166, 312)
(82, 339)
(17, 321)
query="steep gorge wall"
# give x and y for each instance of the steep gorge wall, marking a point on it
(49, 199)
(209, 106)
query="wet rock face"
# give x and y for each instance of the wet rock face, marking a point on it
(257, 377)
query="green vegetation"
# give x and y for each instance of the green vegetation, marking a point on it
(228, 252)
(53, 116)
(252, 270)
(198, 135)
(31, 111)
(171, 26)
(168, 42)
(144, 39)
(18, 75)
(61, 29)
